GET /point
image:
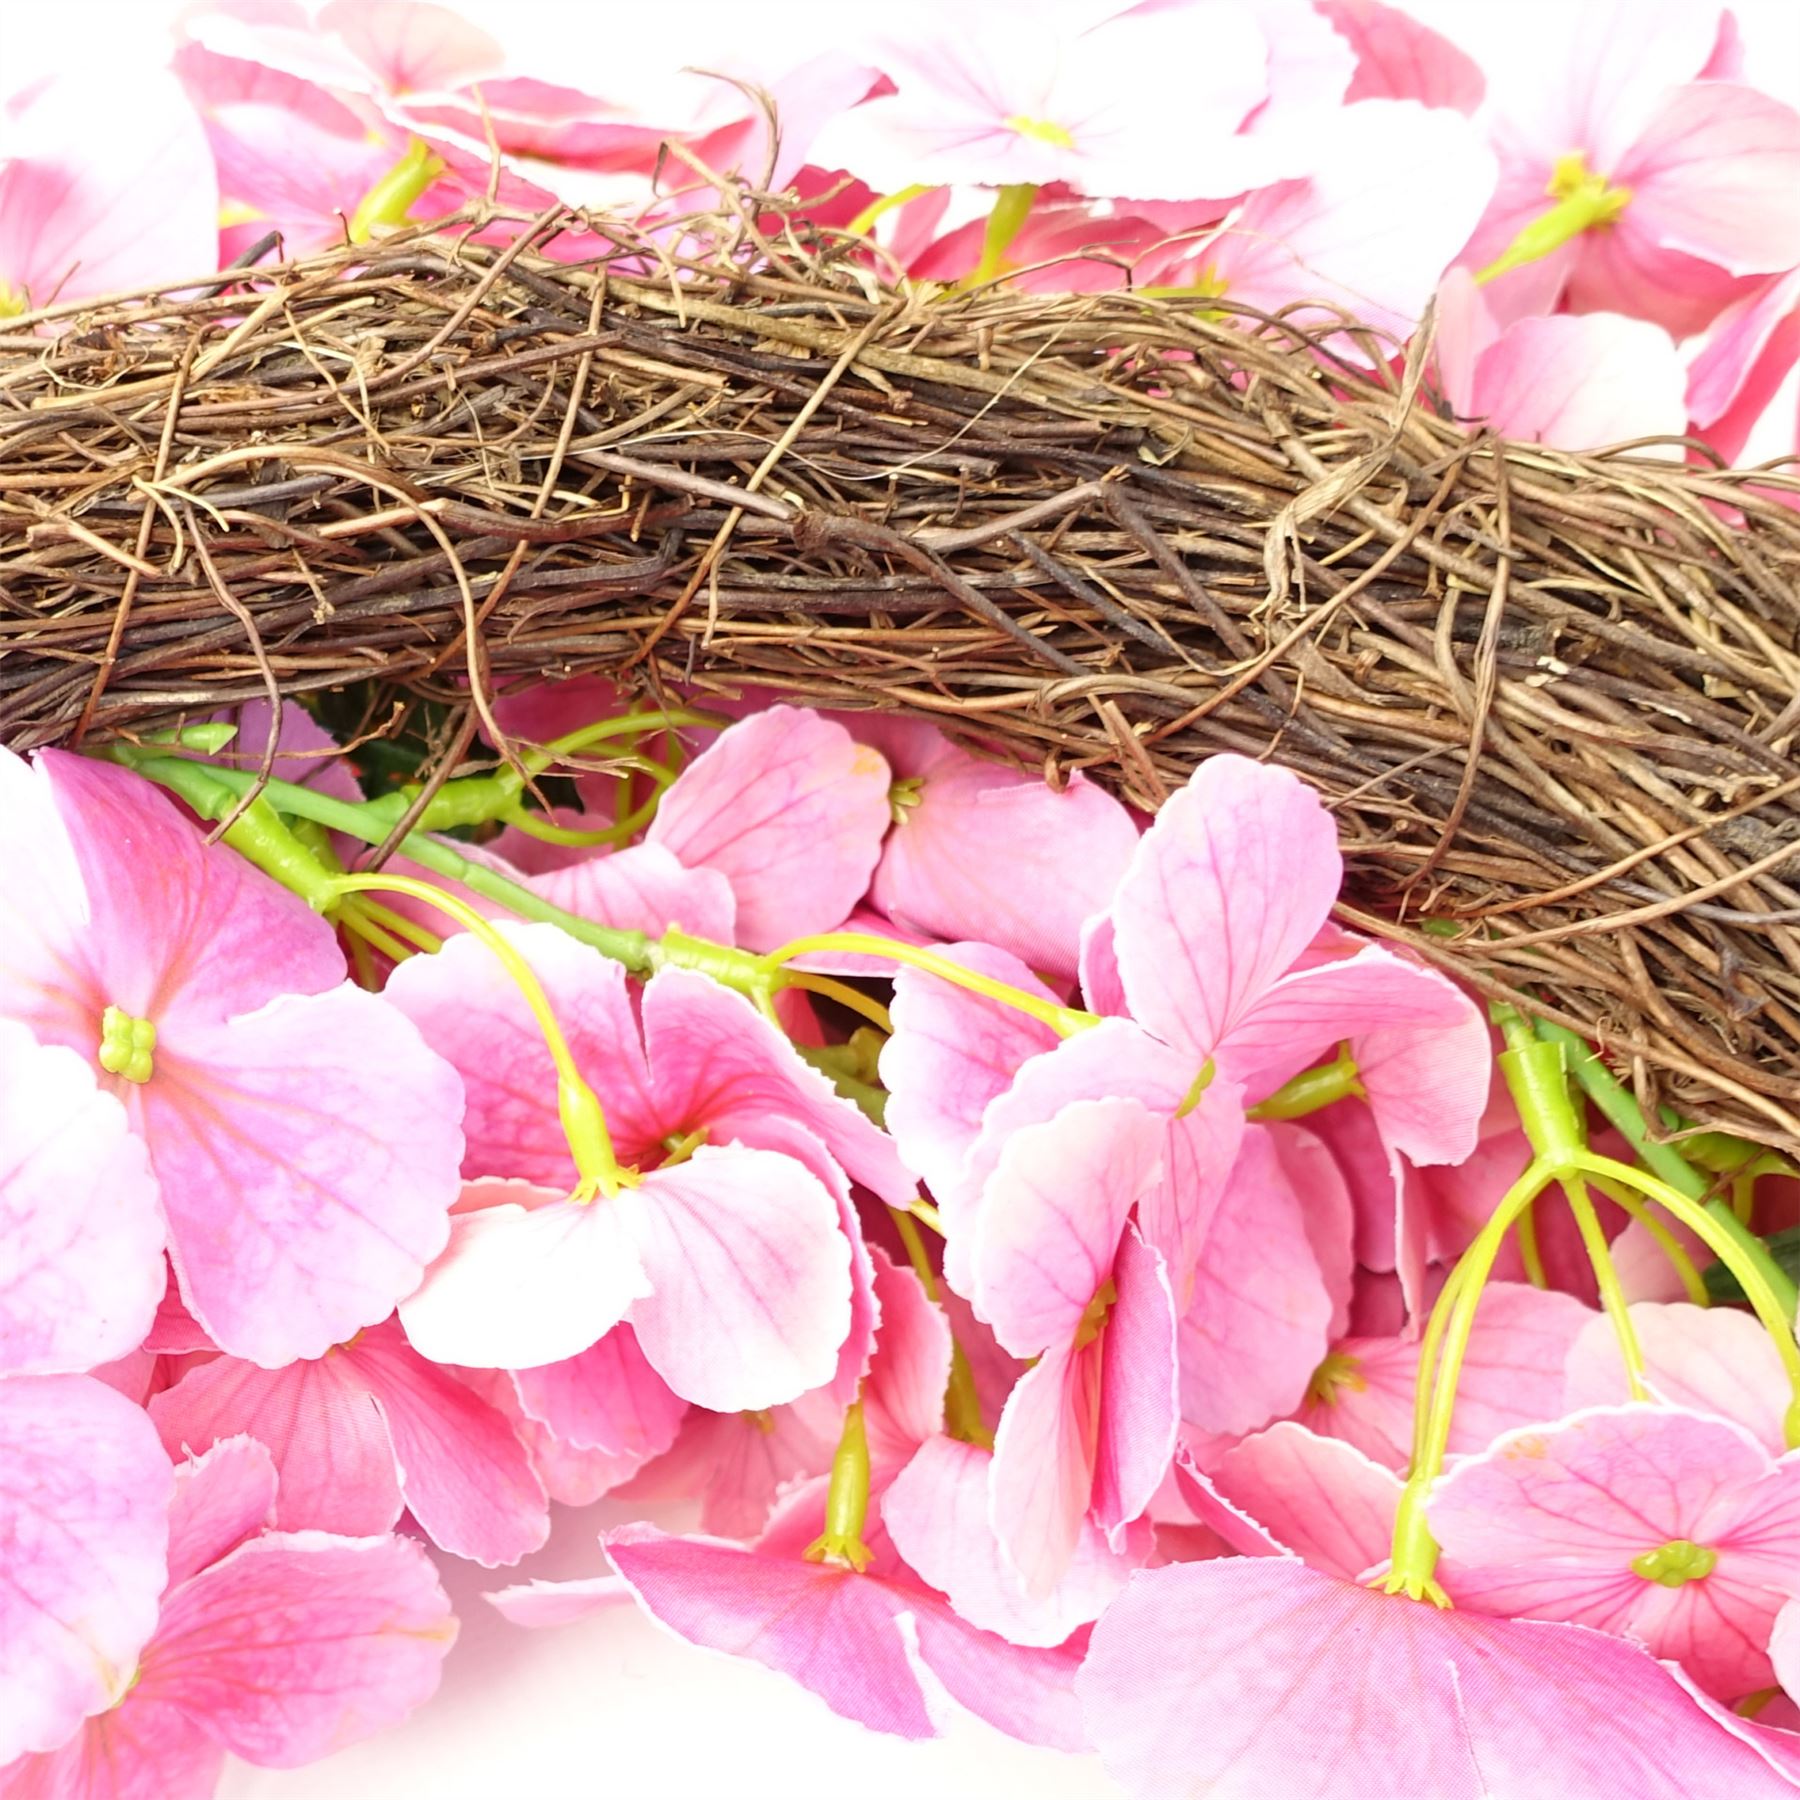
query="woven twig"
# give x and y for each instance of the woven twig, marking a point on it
(1552, 699)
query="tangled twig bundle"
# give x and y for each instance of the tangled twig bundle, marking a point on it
(1552, 699)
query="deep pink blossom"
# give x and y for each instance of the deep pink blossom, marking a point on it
(303, 1138)
(1743, 373)
(1400, 58)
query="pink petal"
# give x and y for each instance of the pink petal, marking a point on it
(464, 1473)
(741, 1463)
(84, 1492)
(327, 1439)
(140, 1750)
(903, 1398)
(1028, 1694)
(300, 1643)
(221, 1499)
(1322, 1499)
(1398, 58)
(1258, 1323)
(1042, 1479)
(1707, 1359)
(517, 1288)
(792, 810)
(1228, 1670)
(1052, 1214)
(749, 1277)
(1355, 235)
(1223, 894)
(1580, 383)
(1428, 1084)
(936, 1511)
(108, 187)
(997, 855)
(537, 1604)
(951, 1053)
(718, 1063)
(1752, 347)
(322, 1124)
(828, 1629)
(643, 888)
(1327, 1212)
(607, 1398)
(1140, 1404)
(81, 1237)
(471, 1012)
(1512, 1375)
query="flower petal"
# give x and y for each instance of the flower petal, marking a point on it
(221, 1499)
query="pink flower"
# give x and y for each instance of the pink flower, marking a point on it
(791, 810)
(1399, 58)
(84, 1493)
(278, 1647)
(1063, 1276)
(1661, 1525)
(1688, 181)
(303, 1139)
(81, 1266)
(1512, 1375)
(105, 186)
(1575, 382)
(979, 850)
(733, 1265)
(1743, 372)
(1256, 1676)
(369, 1430)
(1121, 105)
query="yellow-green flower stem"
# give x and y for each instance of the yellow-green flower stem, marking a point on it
(578, 1106)
(1621, 1110)
(366, 933)
(396, 193)
(1314, 1089)
(845, 995)
(865, 221)
(400, 926)
(1415, 1552)
(1583, 202)
(846, 1499)
(1065, 1021)
(1012, 206)
(844, 1067)
(1531, 1253)
(1692, 1281)
(1537, 1076)
(1726, 1239)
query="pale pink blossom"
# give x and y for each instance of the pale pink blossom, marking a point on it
(84, 1494)
(1400, 58)
(740, 1268)
(1576, 382)
(1743, 372)
(1147, 105)
(81, 1266)
(1623, 94)
(303, 1138)
(106, 186)
(278, 1647)
(1662, 1525)
(364, 1432)
(1259, 1676)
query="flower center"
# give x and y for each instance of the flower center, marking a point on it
(13, 301)
(1675, 1563)
(1337, 1371)
(1041, 131)
(1572, 179)
(904, 795)
(127, 1045)
(1093, 1321)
